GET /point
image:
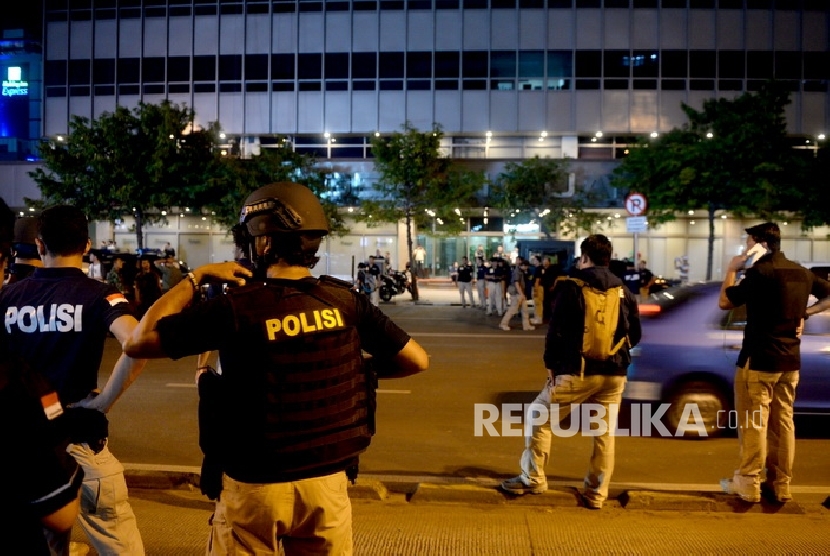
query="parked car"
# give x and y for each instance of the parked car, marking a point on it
(689, 351)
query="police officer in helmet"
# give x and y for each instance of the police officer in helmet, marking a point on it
(296, 399)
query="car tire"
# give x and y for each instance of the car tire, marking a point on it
(385, 293)
(713, 406)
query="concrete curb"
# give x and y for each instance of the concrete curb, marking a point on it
(420, 491)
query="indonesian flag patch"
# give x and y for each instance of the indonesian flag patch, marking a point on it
(51, 405)
(116, 298)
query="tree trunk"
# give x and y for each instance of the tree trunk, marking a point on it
(711, 250)
(412, 273)
(139, 229)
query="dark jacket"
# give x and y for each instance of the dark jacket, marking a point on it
(564, 340)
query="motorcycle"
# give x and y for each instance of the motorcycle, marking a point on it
(393, 283)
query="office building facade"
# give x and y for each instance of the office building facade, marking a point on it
(505, 79)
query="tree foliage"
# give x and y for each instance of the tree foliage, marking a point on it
(535, 190)
(733, 155)
(129, 162)
(418, 185)
(237, 178)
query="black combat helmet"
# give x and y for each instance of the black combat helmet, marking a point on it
(283, 207)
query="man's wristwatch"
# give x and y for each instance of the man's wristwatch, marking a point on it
(190, 276)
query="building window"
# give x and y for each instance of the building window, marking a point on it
(474, 64)
(759, 65)
(129, 70)
(363, 85)
(309, 66)
(419, 65)
(816, 65)
(178, 68)
(588, 63)
(103, 71)
(337, 66)
(282, 66)
(645, 63)
(337, 85)
(673, 84)
(391, 65)
(54, 72)
(674, 63)
(364, 65)
(152, 70)
(204, 68)
(447, 64)
(256, 67)
(531, 70)
(79, 73)
(616, 63)
(788, 65)
(702, 63)
(731, 64)
(391, 85)
(230, 67)
(560, 69)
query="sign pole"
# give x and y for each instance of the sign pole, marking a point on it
(635, 204)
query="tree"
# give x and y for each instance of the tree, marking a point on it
(418, 185)
(237, 178)
(129, 162)
(533, 189)
(733, 155)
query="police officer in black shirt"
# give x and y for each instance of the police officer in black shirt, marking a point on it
(57, 321)
(294, 410)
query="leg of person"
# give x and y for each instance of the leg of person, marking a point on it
(251, 518)
(781, 437)
(468, 287)
(106, 515)
(601, 467)
(460, 286)
(752, 408)
(514, 308)
(538, 305)
(491, 296)
(525, 315)
(220, 541)
(499, 287)
(482, 302)
(537, 433)
(323, 518)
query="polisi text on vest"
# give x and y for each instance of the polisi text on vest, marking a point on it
(45, 318)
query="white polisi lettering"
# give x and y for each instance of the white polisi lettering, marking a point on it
(43, 318)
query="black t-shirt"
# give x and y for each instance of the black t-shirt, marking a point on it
(775, 292)
(40, 477)
(465, 273)
(57, 320)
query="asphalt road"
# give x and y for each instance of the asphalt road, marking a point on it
(427, 422)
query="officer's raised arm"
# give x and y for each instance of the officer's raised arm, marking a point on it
(144, 340)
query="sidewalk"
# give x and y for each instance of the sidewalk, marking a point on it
(396, 517)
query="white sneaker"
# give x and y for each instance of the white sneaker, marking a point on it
(504, 327)
(529, 328)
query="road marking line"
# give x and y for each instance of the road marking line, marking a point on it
(501, 336)
(189, 385)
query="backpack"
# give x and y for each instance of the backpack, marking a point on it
(602, 316)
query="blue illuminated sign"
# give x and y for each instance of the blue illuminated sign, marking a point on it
(14, 86)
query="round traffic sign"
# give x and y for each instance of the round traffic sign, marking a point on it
(635, 204)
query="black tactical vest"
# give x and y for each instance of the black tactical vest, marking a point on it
(294, 381)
